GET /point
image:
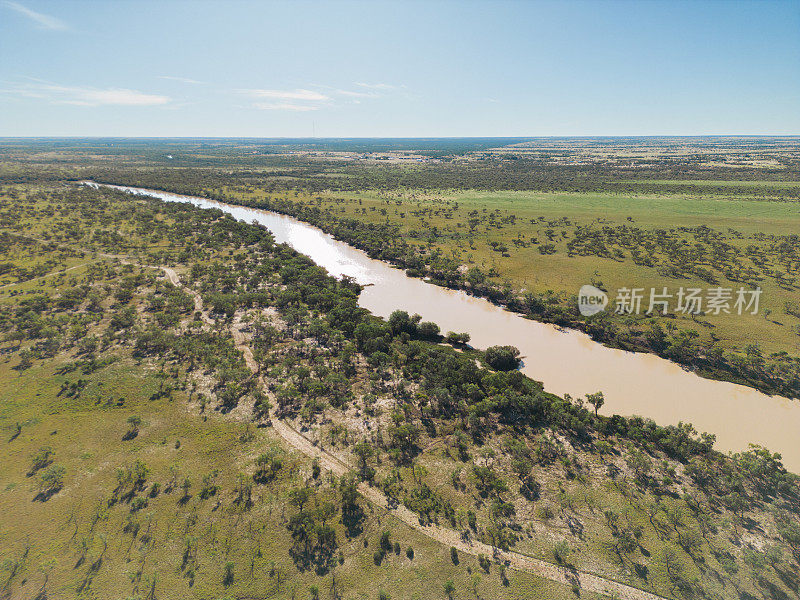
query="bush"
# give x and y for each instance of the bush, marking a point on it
(454, 555)
(227, 578)
(410, 553)
(52, 480)
(428, 331)
(386, 543)
(41, 459)
(484, 562)
(561, 551)
(449, 588)
(502, 358)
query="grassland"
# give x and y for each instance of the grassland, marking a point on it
(139, 460)
(526, 268)
(93, 537)
(527, 225)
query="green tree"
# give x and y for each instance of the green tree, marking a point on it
(597, 400)
(502, 358)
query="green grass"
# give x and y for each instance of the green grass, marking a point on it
(86, 542)
(89, 444)
(81, 543)
(527, 268)
(718, 182)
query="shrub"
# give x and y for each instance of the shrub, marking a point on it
(484, 562)
(385, 543)
(449, 588)
(561, 551)
(428, 331)
(502, 358)
(52, 479)
(41, 459)
(227, 577)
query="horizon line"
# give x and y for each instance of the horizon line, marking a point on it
(378, 137)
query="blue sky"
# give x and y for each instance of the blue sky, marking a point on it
(404, 69)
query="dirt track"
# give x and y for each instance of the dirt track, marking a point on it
(565, 575)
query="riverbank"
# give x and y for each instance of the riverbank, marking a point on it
(772, 374)
(566, 361)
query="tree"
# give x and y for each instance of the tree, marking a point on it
(476, 581)
(299, 496)
(210, 488)
(640, 464)
(449, 588)
(185, 487)
(457, 338)
(502, 358)
(736, 503)
(400, 322)
(51, 480)
(25, 360)
(404, 439)
(134, 422)
(41, 459)
(364, 451)
(267, 466)
(428, 331)
(349, 491)
(597, 400)
(672, 563)
(244, 490)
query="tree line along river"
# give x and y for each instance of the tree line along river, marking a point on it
(565, 361)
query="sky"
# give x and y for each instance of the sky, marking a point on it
(232, 68)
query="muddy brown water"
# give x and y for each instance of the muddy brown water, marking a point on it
(565, 361)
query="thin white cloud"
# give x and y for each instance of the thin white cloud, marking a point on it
(298, 94)
(42, 21)
(351, 94)
(379, 86)
(284, 106)
(298, 100)
(86, 96)
(301, 99)
(180, 79)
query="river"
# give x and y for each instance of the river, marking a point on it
(565, 361)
